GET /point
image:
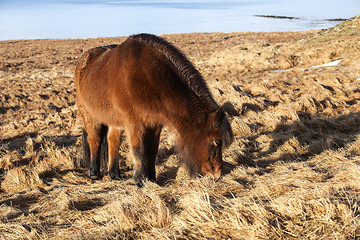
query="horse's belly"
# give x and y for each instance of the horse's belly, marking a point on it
(113, 118)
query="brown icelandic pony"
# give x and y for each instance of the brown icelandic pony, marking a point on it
(136, 88)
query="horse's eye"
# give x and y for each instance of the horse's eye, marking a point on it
(217, 143)
(214, 148)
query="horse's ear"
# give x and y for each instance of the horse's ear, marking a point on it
(215, 118)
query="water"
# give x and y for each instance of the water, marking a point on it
(42, 19)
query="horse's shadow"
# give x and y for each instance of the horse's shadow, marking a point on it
(313, 135)
(19, 144)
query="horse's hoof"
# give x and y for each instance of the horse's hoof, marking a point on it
(94, 177)
(115, 174)
(139, 181)
(115, 177)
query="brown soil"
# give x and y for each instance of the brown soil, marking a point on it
(292, 172)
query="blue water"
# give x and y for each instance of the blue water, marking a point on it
(39, 19)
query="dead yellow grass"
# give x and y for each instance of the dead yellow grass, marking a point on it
(293, 171)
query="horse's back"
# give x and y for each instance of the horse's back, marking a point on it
(89, 58)
(102, 63)
(130, 78)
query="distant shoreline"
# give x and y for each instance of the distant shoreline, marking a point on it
(298, 18)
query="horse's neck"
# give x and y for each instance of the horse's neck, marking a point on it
(191, 115)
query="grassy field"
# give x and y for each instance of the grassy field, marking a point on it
(293, 171)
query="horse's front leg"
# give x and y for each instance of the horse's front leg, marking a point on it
(144, 145)
(151, 146)
(135, 134)
(139, 175)
(114, 141)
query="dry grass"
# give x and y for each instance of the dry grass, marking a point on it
(293, 171)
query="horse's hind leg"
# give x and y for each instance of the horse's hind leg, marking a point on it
(95, 132)
(114, 141)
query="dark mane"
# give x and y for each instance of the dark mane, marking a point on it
(186, 69)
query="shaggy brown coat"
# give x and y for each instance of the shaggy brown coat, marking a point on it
(136, 88)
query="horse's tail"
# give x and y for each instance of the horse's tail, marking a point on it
(103, 150)
(85, 161)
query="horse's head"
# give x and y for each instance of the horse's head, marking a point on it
(205, 149)
(211, 162)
